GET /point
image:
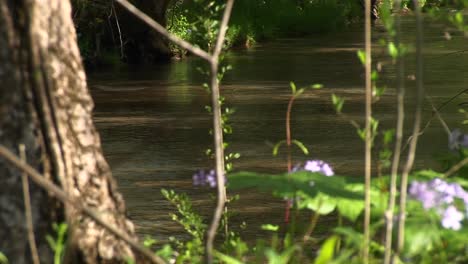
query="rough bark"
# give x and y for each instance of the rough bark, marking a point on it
(45, 104)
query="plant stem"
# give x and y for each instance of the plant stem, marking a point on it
(416, 128)
(288, 146)
(368, 143)
(389, 214)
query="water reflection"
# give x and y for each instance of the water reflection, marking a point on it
(154, 127)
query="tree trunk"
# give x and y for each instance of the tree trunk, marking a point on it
(45, 105)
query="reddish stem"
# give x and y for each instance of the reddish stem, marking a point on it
(288, 144)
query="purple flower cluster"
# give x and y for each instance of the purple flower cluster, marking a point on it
(441, 195)
(457, 139)
(319, 166)
(203, 178)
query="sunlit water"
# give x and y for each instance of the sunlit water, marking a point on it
(155, 130)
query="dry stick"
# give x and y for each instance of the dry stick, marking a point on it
(218, 134)
(27, 209)
(62, 196)
(159, 28)
(398, 142)
(368, 144)
(417, 124)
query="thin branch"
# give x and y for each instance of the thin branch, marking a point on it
(368, 144)
(437, 114)
(389, 214)
(416, 128)
(62, 196)
(118, 28)
(455, 168)
(159, 28)
(27, 209)
(218, 134)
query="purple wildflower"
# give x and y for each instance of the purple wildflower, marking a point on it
(319, 166)
(451, 218)
(441, 195)
(457, 139)
(202, 178)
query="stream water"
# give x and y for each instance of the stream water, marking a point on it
(155, 130)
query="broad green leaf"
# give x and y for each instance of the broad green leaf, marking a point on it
(327, 251)
(321, 204)
(301, 146)
(350, 209)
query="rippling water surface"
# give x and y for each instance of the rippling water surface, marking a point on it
(155, 130)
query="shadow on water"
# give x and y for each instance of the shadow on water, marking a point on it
(154, 127)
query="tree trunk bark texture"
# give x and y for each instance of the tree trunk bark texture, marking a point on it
(45, 105)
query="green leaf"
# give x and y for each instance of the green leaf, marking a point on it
(337, 103)
(166, 252)
(316, 86)
(301, 146)
(276, 147)
(299, 92)
(362, 56)
(293, 87)
(270, 227)
(392, 50)
(327, 251)
(350, 209)
(321, 204)
(286, 185)
(3, 259)
(281, 258)
(226, 259)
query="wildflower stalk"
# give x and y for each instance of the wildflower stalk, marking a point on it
(389, 214)
(416, 128)
(368, 138)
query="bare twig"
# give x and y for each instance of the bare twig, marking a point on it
(368, 145)
(416, 128)
(118, 28)
(436, 113)
(218, 133)
(216, 106)
(389, 214)
(159, 28)
(27, 209)
(62, 196)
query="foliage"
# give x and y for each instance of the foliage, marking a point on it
(58, 244)
(3, 259)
